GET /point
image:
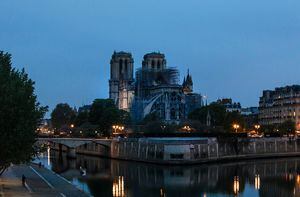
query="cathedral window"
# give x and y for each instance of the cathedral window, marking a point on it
(152, 64)
(121, 66)
(126, 65)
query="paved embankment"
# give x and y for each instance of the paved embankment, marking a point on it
(39, 182)
(10, 185)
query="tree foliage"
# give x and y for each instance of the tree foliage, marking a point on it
(216, 111)
(20, 114)
(288, 126)
(62, 115)
(218, 117)
(81, 118)
(104, 113)
(233, 118)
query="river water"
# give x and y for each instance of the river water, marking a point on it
(106, 177)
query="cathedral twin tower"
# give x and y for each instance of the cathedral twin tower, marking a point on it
(121, 83)
(155, 89)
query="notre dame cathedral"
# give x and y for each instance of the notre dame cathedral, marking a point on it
(155, 89)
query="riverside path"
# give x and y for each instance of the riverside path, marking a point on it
(39, 182)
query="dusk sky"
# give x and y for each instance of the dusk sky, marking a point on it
(233, 48)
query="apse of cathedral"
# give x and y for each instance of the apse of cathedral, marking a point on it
(156, 88)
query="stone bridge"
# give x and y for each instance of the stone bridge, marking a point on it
(73, 143)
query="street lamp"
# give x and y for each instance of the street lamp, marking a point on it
(163, 127)
(115, 128)
(72, 125)
(118, 128)
(257, 127)
(236, 127)
(187, 128)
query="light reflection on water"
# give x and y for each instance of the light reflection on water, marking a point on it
(105, 177)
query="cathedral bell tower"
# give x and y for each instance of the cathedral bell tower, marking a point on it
(121, 88)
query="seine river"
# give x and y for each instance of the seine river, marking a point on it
(106, 177)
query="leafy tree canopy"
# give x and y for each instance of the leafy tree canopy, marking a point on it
(218, 116)
(288, 126)
(81, 118)
(62, 115)
(233, 118)
(20, 114)
(216, 111)
(104, 113)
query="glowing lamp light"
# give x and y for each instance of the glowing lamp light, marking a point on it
(236, 185)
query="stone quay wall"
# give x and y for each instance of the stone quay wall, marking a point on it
(189, 150)
(201, 150)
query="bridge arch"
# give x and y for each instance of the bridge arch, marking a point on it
(72, 143)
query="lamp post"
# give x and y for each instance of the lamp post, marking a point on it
(236, 127)
(187, 128)
(163, 127)
(118, 128)
(115, 128)
(257, 127)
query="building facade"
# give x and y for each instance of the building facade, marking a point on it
(156, 88)
(279, 105)
(229, 105)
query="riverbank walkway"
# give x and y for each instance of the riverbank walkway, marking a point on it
(39, 182)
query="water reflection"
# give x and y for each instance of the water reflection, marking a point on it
(257, 182)
(276, 177)
(236, 185)
(118, 187)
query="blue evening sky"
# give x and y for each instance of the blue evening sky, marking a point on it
(233, 48)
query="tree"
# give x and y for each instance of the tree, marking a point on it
(287, 126)
(233, 118)
(62, 115)
(81, 118)
(104, 113)
(125, 117)
(218, 117)
(20, 114)
(159, 127)
(216, 111)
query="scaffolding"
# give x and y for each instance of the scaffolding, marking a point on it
(149, 78)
